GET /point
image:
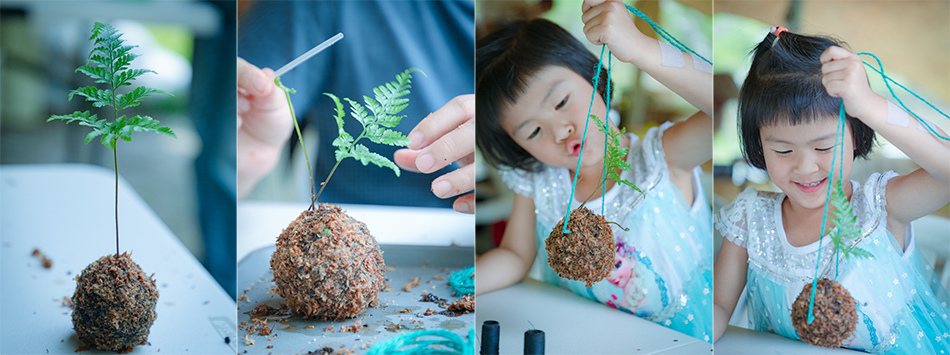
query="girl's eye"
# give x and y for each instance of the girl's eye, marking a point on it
(617, 265)
(824, 149)
(535, 133)
(562, 103)
(782, 152)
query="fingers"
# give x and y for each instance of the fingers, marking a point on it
(252, 80)
(835, 53)
(465, 203)
(450, 147)
(406, 159)
(455, 183)
(589, 4)
(456, 112)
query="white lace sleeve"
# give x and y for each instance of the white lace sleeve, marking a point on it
(732, 219)
(519, 181)
(870, 204)
(648, 158)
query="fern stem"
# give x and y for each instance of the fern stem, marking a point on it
(115, 161)
(306, 156)
(324, 184)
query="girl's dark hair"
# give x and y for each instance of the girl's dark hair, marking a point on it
(784, 85)
(505, 61)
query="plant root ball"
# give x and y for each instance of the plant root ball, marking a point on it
(114, 304)
(327, 265)
(586, 254)
(835, 314)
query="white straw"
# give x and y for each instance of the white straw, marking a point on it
(319, 48)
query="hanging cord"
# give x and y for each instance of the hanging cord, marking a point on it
(824, 217)
(603, 175)
(666, 35)
(580, 155)
(888, 81)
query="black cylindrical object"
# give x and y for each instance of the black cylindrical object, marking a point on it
(490, 329)
(534, 342)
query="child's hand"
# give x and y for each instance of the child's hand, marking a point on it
(608, 22)
(263, 124)
(843, 76)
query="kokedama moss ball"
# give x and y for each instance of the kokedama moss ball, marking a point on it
(835, 314)
(327, 265)
(586, 254)
(114, 304)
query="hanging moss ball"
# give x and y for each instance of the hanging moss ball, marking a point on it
(114, 304)
(587, 253)
(835, 314)
(327, 265)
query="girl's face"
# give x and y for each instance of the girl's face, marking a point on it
(798, 158)
(548, 119)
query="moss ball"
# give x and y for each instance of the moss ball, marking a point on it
(114, 304)
(327, 265)
(835, 314)
(587, 253)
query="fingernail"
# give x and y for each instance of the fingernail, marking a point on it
(463, 207)
(416, 138)
(260, 84)
(441, 188)
(425, 162)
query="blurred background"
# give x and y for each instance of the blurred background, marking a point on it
(190, 44)
(912, 39)
(639, 102)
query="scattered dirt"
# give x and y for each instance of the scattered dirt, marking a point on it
(114, 304)
(47, 263)
(413, 283)
(327, 265)
(586, 254)
(835, 314)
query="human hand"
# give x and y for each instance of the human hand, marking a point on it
(445, 136)
(843, 76)
(263, 124)
(608, 22)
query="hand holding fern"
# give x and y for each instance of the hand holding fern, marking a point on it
(446, 136)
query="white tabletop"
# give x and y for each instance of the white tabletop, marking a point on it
(259, 224)
(744, 341)
(67, 212)
(574, 325)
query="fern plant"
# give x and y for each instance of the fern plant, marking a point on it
(616, 157)
(383, 114)
(845, 221)
(108, 64)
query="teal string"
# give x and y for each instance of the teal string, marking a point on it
(463, 281)
(603, 175)
(666, 35)
(435, 342)
(600, 62)
(824, 217)
(888, 81)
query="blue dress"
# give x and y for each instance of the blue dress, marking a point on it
(664, 263)
(899, 310)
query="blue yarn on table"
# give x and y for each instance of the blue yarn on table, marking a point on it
(463, 281)
(435, 342)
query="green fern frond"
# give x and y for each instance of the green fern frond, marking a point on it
(616, 154)
(108, 64)
(845, 222)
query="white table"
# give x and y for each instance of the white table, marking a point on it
(745, 341)
(259, 224)
(574, 325)
(67, 212)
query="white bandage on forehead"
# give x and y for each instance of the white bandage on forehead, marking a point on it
(700, 64)
(671, 57)
(896, 115)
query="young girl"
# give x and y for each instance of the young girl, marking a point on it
(788, 107)
(533, 90)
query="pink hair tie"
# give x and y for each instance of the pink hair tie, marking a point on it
(776, 31)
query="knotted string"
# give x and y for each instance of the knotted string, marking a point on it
(463, 281)
(888, 81)
(668, 37)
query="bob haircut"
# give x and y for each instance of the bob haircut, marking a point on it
(784, 85)
(505, 61)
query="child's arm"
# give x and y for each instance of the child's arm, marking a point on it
(729, 277)
(910, 196)
(686, 145)
(608, 22)
(509, 263)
